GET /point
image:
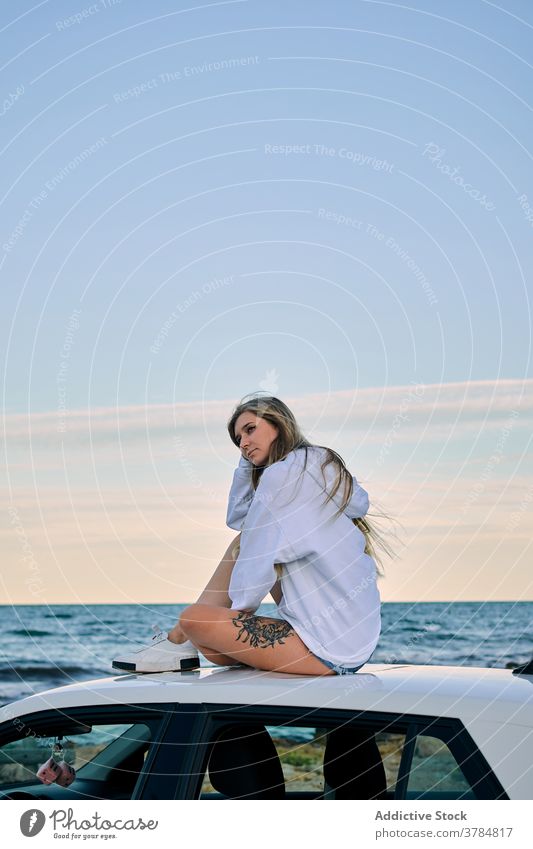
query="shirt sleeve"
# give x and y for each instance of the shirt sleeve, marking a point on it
(357, 506)
(262, 544)
(241, 495)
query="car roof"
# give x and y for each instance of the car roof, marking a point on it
(466, 693)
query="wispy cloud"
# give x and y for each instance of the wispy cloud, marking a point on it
(467, 401)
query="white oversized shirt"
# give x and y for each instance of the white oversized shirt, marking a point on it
(330, 596)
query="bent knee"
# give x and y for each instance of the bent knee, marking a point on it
(189, 615)
(195, 616)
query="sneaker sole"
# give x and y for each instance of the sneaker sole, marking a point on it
(185, 665)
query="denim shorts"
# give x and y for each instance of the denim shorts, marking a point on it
(340, 670)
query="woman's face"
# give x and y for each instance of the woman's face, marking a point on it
(255, 436)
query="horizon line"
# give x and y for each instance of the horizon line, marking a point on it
(138, 603)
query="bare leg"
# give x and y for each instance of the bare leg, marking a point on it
(258, 641)
(215, 592)
(217, 657)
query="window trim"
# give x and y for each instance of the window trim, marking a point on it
(406, 761)
(185, 727)
(481, 778)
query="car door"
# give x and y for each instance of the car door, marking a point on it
(109, 748)
(251, 751)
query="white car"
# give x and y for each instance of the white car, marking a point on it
(387, 732)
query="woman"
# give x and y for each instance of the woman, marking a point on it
(304, 539)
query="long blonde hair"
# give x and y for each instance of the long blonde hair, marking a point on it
(289, 438)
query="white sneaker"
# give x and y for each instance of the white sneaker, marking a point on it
(161, 655)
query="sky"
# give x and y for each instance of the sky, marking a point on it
(329, 202)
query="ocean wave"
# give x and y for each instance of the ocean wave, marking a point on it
(30, 632)
(21, 672)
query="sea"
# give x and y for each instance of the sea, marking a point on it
(48, 646)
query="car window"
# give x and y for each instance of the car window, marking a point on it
(435, 772)
(312, 762)
(106, 753)
(302, 750)
(301, 753)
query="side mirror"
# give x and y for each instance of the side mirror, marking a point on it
(525, 669)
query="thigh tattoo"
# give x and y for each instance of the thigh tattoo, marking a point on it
(261, 634)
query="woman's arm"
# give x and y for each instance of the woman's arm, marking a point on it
(241, 494)
(263, 545)
(216, 590)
